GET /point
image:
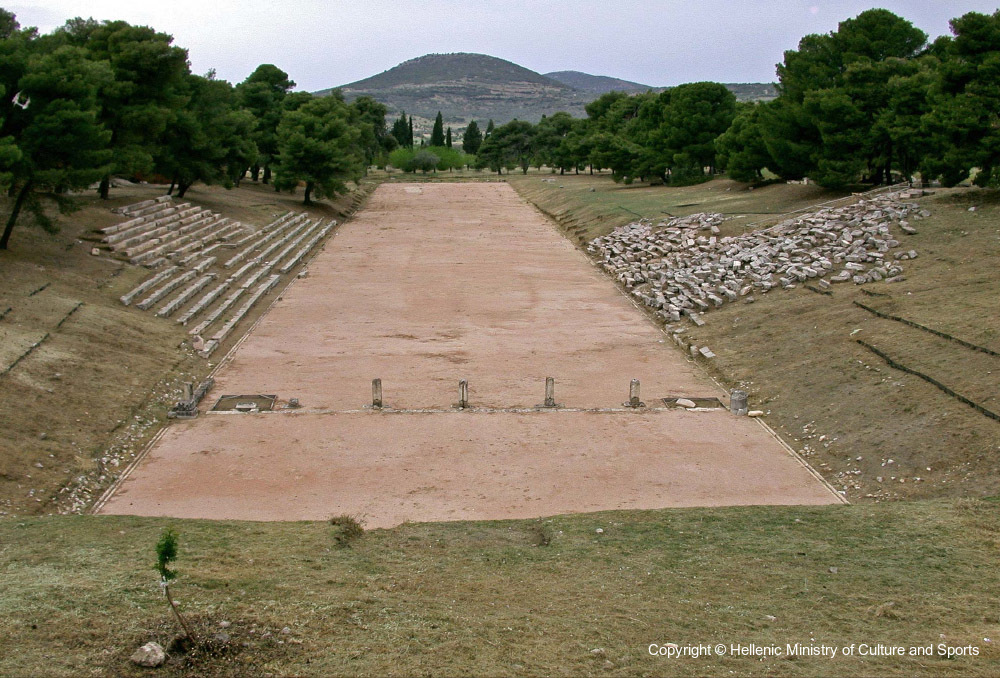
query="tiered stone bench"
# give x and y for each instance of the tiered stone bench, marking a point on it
(190, 241)
(168, 309)
(271, 232)
(161, 230)
(293, 262)
(226, 329)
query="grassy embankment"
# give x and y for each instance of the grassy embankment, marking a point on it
(841, 406)
(101, 380)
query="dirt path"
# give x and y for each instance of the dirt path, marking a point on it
(430, 284)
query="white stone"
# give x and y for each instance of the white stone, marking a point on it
(150, 655)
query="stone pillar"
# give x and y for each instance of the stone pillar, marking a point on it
(633, 395)
(738, 402)
(377, 394)
(463, 394)
(188, 392)
(550, 392)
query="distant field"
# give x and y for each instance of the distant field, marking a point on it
(873, 431)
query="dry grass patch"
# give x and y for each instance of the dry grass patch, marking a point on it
(482, 599)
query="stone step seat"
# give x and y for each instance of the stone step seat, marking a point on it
(166, 289)
(177, 210)
(204, 302)
(176, 302)
(254, 234)
(148, 284)
(283, 240)
(169, 231)
(244, 284)
(231, 324)
(216, 313)
(176, 242)
(146, 211)
(152, 203)
(299, 255)
(144, 225)
(263, 238)
(289, 247)
(135, 207)
(207, 242)
(146, 203)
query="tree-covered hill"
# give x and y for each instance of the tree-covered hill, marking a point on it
(597, 85)
(466, 87)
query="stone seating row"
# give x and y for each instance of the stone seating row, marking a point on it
(268, 234)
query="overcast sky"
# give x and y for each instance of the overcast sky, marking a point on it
(654, 42)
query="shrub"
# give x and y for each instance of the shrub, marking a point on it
(346, 529)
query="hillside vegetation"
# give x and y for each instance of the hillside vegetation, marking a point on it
(602, 84)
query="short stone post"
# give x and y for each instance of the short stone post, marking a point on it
(550, 394)
(377, 394)
(463, 394)
(633, 395)
(188, 392)
(738, 402)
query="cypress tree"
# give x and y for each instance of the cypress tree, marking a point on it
(410, 143)
(447, 138)
(489, 128)
(437, 134)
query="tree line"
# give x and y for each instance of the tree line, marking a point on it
(93, 100)
(871, 102)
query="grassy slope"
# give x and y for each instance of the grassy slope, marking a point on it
(485, 599)
(589, 206)
(103, 381)
(843, 407)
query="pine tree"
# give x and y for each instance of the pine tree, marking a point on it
(472, 139)
(319, 143)
(489, 128)
(437, 134)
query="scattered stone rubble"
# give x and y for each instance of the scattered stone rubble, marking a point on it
(677, 269)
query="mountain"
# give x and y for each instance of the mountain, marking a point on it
(467, 87)
(596, 84)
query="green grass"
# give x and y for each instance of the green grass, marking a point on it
(590, 206)
(486, 599)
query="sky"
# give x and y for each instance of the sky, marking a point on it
(328, 43)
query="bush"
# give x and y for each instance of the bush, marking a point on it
(346, 529)
(425, 160)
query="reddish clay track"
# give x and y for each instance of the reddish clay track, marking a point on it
(430, 284)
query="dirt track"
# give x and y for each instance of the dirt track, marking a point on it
(430, 284)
